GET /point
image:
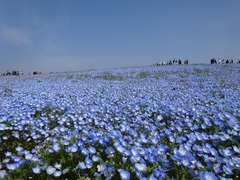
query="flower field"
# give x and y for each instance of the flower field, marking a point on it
(168, 122)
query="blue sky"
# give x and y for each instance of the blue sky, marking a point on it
(72, 35)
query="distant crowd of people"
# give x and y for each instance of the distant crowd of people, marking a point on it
(212, 61)
(171, 62)
(18, 73)
(13, 73)
(223, 61)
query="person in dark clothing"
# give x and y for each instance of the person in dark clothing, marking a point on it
(179, 61)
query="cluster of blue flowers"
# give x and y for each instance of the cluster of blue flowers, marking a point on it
(152, 123)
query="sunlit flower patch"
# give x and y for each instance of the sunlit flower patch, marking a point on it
(173, 122)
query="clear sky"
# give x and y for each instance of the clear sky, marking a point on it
(72, 35)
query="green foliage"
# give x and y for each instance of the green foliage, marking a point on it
(179, 172)
(7, 91)
(199, 71)
(69, 76)
(49, 112)
(24, 172)
(10, 144)
(143, 74)
(110, 76)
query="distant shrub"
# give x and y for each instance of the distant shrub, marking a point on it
(110, 76)
(69, 76)
(199, 71)
(143, 74)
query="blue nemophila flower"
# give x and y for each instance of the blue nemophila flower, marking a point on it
(126, 153)
(155, 140)
(124, 143)
(6, 160)
(135, 159)
(205, 175)
(236, 149)
(141, 167)
(226, 152)
(109, 172)
(13, 166)
(81, 165)
(50, 170)
(102, 142)
(88, 162)
(66, 170)
(110, 152)
(188, 146)
(62, 129)
(185, 162)
(151, 177)
(199, 136)
(16, 159)
(85, 151)
(171, 138)
(8, 154)
(92, 150)
(181, 151)
(84, 138)
(223, 178)
(18, 148)
(181, 139)
(151, 158)
(28, 156)
(50, 150)
(57, 173)
(232, 132)
(95, 158)
(58, 165)
(4, 137)
(80, 143)
(73, 148)
(227, 170)
(102, 167)
(36, 169)
(166, 165)
(56, 147)
(97, 175)
(213, 151)
(120, 148)
(206, 149)
(159, 174)
(161, 150)
(236, 160)
(124, 175)
(217, 168)
(3, 174)
(135, 151)
(140, 175)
